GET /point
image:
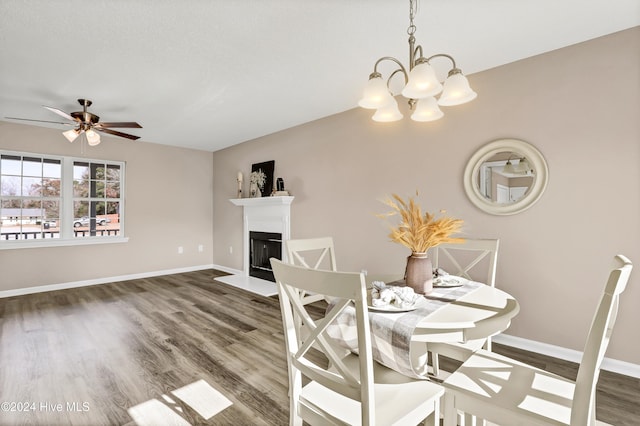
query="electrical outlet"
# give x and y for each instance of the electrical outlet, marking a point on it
(230, 249)
(180, 250)
(200, 248)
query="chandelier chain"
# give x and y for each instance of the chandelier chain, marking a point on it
(413, 9)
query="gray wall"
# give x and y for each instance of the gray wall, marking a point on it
(168, 203)
(579, 106)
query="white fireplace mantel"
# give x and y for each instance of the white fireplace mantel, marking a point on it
(262, 201)
(264, 214)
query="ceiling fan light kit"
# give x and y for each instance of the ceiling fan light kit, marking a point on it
(421, 84)
(88, 124)
(93, 138)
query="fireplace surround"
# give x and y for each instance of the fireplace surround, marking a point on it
(268, 215)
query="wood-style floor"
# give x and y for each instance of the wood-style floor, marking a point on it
(178, 349)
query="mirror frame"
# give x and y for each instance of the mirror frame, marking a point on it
(471, 176)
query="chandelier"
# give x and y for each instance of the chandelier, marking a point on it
(421, 84)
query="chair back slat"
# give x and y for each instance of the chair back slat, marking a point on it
(345, 289)
(583, 408)
(318, 252)
(461, 259)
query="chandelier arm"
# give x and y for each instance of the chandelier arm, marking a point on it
(417, 54)
(443, 55)
(401, 68)
(396, 72)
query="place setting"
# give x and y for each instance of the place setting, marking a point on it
(389, 298)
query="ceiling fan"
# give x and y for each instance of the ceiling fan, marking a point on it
(87, 123)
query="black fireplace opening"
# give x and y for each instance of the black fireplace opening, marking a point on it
(262, 247)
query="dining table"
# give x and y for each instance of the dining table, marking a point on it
(450, 313)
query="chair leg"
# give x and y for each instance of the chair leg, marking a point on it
(469, 420)
(295, 390)
(435, 364)
(487, 345)
(419, 357)
(449, 409)
(294, 418)
(434, 418)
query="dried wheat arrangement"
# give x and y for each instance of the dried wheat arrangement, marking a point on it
(417, 231)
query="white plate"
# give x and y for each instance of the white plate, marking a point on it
(449, 281)
(391, 309)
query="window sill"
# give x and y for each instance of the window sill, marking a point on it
(59, 242)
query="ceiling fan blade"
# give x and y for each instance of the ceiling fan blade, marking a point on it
(116, 133)
(130, 124)
(42, 121)
(60, 113)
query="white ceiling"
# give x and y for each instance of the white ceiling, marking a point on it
(208, 74)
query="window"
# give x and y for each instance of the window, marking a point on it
(30, 196)
(47, 200)
(96, 198)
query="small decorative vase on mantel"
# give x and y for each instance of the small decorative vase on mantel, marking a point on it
(419, 273)
(255, 191)
(257, 180)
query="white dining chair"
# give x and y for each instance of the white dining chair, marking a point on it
(475, 260)
(355, 390)
(504, 391)
(313, 253)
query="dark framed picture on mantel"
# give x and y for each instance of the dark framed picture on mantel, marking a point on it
(267, 168)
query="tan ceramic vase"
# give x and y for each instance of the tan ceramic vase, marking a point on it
(419, 273)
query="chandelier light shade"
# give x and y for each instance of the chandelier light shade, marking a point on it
(427, 109)
(523, 166)
(456, 90)
(421, 84)
(509, 168)
(388, 112)
(376, 95)
(517, 166)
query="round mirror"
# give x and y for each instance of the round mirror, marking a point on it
(505, 177)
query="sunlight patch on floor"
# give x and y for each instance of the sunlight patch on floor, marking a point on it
(199, 395)
(204, 399)
(154, 412)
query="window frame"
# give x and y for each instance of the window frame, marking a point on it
(67, 198)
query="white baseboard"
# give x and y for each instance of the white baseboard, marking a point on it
(613, 365)
(97, 281)
(227, 269)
